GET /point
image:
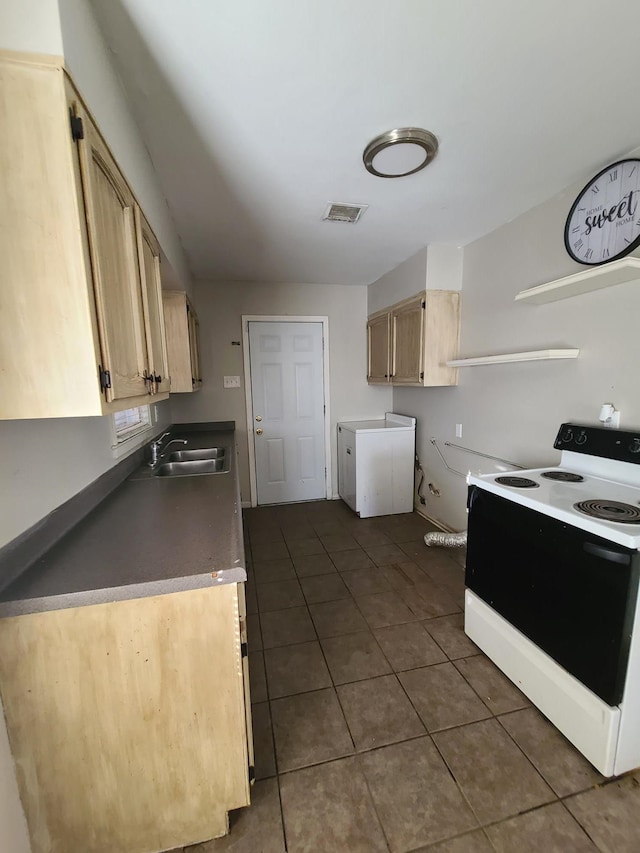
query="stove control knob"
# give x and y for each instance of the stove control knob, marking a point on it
(634, 447)
(581, 438)
(566, 436)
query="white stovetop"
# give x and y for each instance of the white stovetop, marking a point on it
(556, 499)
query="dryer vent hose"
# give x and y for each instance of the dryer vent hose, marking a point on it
(446, 540)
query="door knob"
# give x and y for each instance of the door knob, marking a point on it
(258, 418)
(259, 431)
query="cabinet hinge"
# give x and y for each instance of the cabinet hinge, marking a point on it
(243, 650)
(422, 374)
(252, 772)
(424, 303)
(105, 378)
(77, 128)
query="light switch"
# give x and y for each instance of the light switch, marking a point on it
(232, 382)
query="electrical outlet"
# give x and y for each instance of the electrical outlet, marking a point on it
(458, 430)
(231, 381)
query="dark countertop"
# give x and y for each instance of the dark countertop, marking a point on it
(150, 536)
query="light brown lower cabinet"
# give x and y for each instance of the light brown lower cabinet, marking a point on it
(129, 722)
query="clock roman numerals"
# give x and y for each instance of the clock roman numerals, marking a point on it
(604, 221)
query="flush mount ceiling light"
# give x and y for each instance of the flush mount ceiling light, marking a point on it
(400, 152)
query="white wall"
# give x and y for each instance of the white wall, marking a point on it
(514, 410)
(49, 461)
(32, 26)
(220, 307)
(435, 267)
(405, 280)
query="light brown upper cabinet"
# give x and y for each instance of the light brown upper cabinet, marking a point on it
(183, 342)
(378, 327)
(422, 334)
(149, 259)
(79, 321)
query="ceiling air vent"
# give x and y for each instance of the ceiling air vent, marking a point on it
(338, 212)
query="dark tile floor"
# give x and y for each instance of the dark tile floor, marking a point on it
(378, 725)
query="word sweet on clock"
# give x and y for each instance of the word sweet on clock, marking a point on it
(604, 221)
(624, 211)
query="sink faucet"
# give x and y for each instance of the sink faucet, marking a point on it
(156, 445)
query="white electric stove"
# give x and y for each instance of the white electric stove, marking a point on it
(553, 563)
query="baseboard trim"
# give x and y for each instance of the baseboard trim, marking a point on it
(439, 524)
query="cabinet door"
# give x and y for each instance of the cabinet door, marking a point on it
(149, 259)
(194, 346)
(407, 341)
(127, 721)
(378, 349)
(109, 210)
(441, 333)
(242, 614)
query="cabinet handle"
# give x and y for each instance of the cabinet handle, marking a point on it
(349, 451)
(157, 379)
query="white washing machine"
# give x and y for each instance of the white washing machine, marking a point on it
(376, 465)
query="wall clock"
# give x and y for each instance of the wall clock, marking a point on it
(604, 222)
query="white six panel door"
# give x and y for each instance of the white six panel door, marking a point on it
(287, 390)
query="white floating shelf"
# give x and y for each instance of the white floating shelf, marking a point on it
(536, 355)
(595, 278)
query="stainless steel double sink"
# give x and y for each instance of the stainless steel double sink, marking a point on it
(187, 463)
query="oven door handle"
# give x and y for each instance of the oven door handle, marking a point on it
(606, 553)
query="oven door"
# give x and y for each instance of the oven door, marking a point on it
(571, 593)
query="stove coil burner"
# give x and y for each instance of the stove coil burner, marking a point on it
(610, 511)
(563, 476)
(518, 482)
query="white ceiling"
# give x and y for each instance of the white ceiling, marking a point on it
(256, 113)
